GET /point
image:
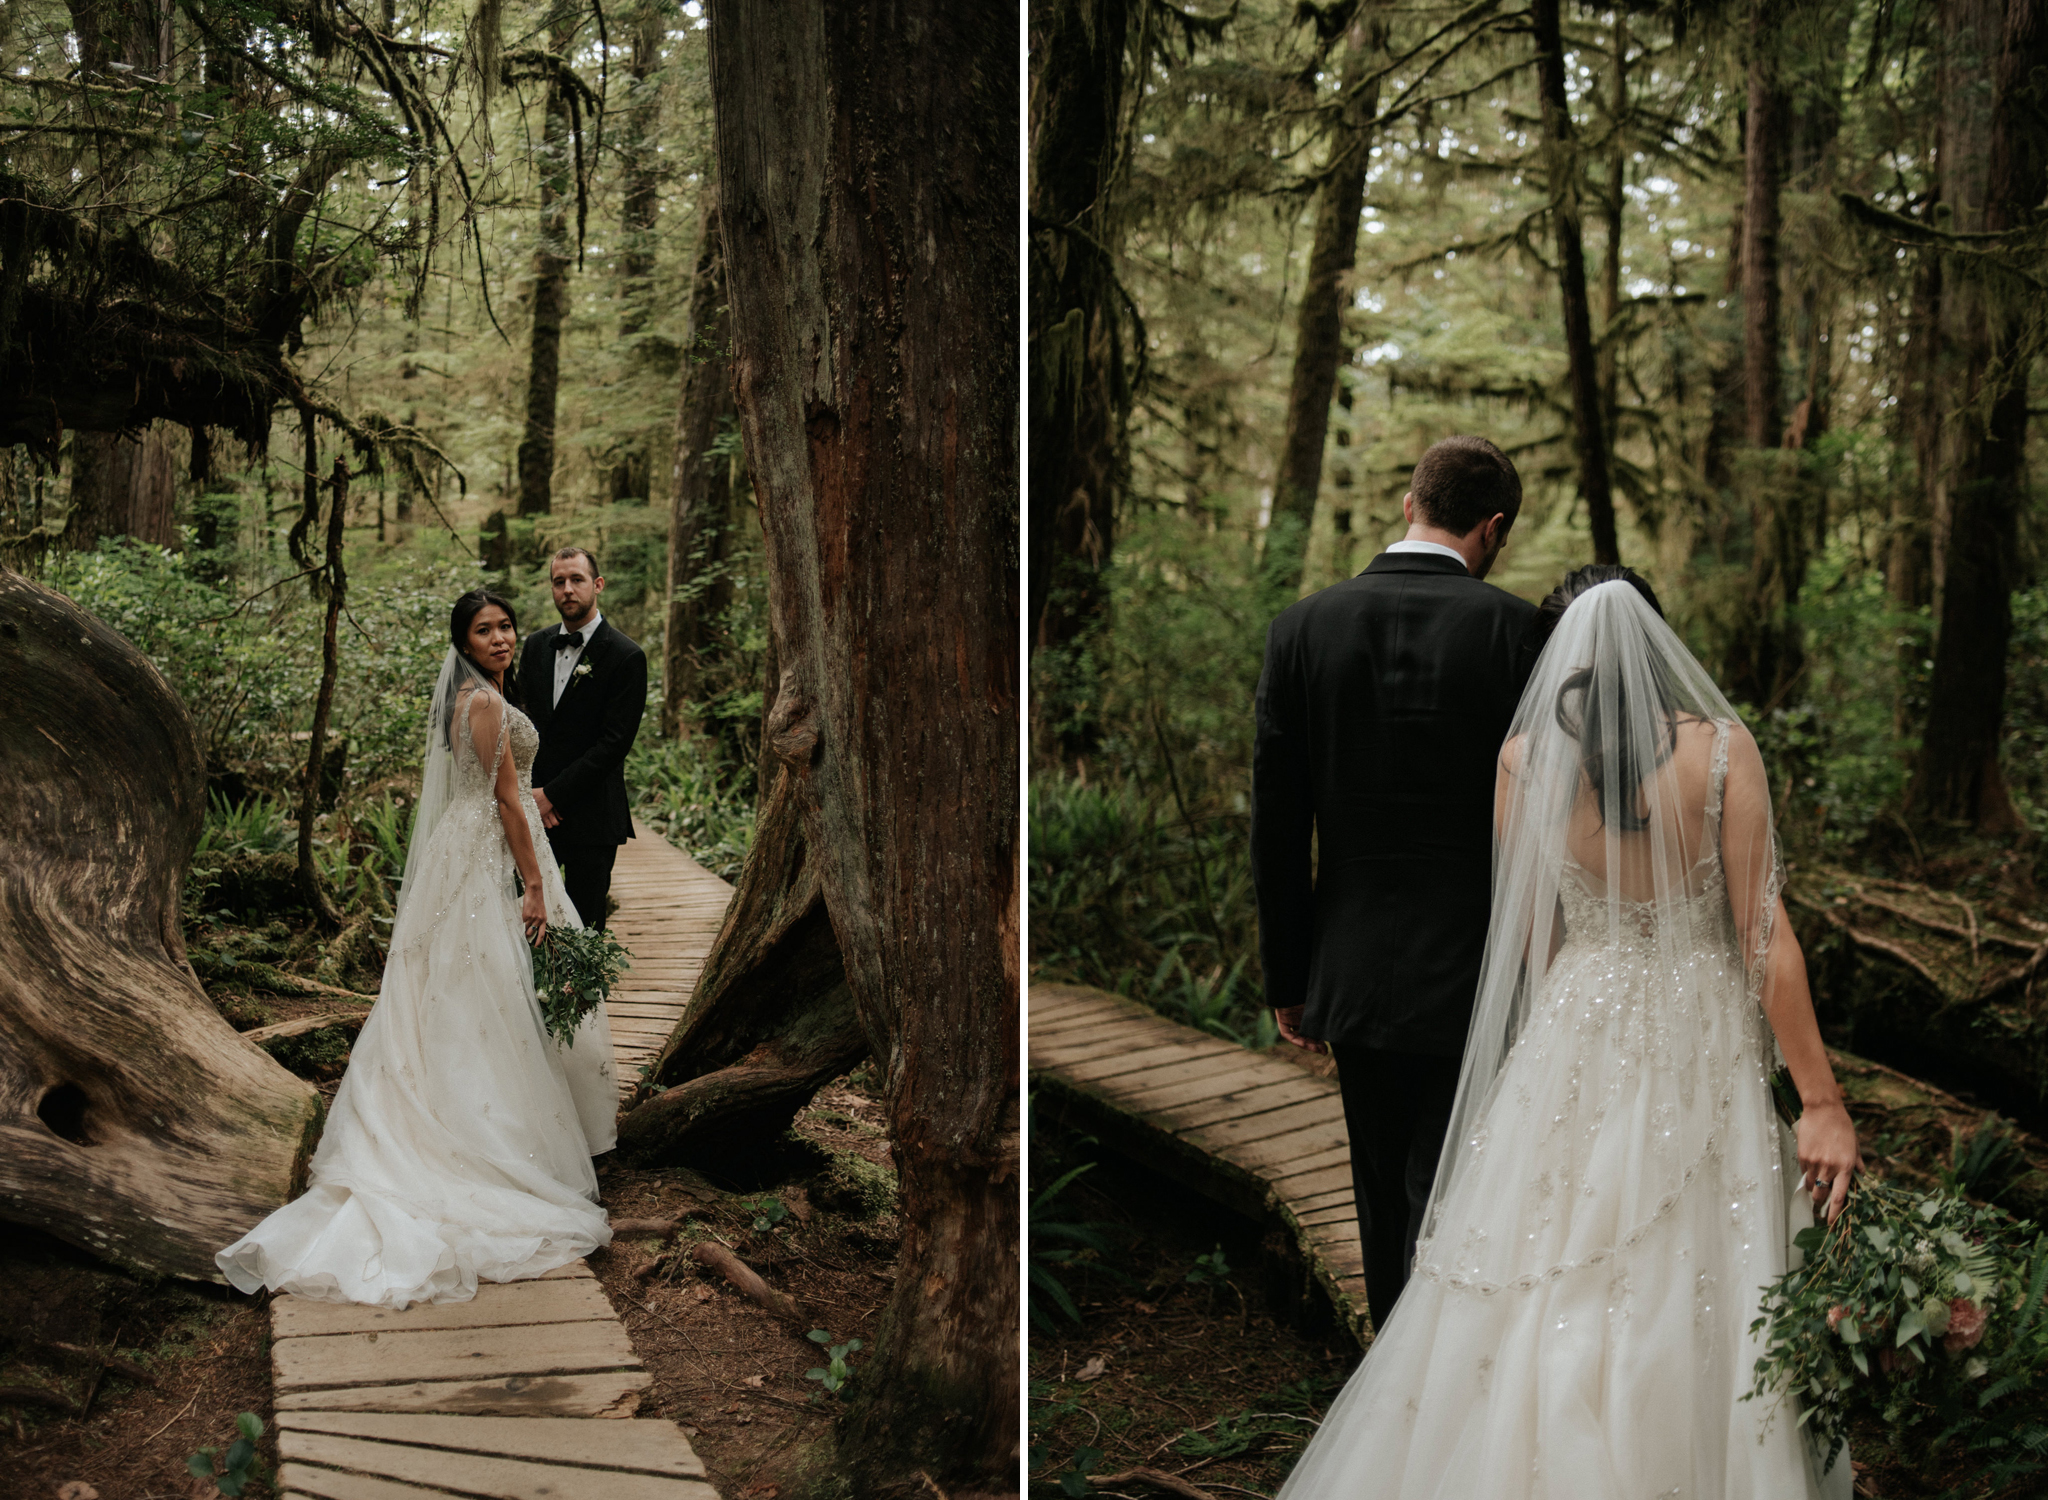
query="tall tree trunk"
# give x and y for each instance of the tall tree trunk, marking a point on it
(1763, 157)
(877, 381)
(1764, 657)
(122, 486)
(1080, 392)
(332, 583)
(630, 475)
(1560, 151)
(701, 503)
(1994, 174)
(1909, 563)
(550, 289)
(1612, 204)
(1319, 349)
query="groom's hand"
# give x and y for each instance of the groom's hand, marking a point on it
(549, 818)
(1288, 1018)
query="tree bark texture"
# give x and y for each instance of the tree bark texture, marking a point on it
(1764, 657)
(1560, 150)
(536, 457)
(133, 1121)
(1080, 387)
(1994, 174)
(631, 472)
(701, 497)
(771, 1021)
(1763, 175)
(867, 184)
(121, 486)
(1319, 346)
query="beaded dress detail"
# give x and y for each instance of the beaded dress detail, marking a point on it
(1576, 1324)
(458, 1147)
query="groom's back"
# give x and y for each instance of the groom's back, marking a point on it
(1381, 712)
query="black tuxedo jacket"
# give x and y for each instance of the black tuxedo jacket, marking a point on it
(1381, 712)
(585, 737)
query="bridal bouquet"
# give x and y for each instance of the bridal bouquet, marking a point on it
(1911, 1308)
(574, 969)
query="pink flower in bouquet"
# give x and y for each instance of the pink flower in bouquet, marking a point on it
(1835, 1316)
(1966, 1322)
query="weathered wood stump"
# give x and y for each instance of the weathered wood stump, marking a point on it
(771, 1020)
(133, 1120)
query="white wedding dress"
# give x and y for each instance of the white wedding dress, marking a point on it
(1616, 1195)
(458, 1147)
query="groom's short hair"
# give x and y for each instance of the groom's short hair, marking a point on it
(589, 561)
(1463, 481)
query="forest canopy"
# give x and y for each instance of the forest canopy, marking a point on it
(1751, 293)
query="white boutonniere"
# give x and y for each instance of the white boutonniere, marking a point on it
(582, 670)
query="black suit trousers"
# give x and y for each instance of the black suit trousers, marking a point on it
(1397, 1106)
(587, 872)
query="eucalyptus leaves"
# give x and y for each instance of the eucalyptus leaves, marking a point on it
(1922, 1311)
(574, 969)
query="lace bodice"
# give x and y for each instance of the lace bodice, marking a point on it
(476, 774)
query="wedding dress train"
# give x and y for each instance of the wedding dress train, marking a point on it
(458, 1147)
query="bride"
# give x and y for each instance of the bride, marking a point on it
(458, 1147)
(1614, 1191)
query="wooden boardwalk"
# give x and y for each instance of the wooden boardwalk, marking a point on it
(1251, 1131)
(529, 1391)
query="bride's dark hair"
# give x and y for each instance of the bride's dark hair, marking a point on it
(464, 613)
(1579, 711)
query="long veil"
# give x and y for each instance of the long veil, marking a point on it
(437, 777)
(1613, 776)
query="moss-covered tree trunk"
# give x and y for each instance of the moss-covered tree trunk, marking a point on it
(1567, 213)
(701, 498)
(867, 165)
(536, 457)
(639, 209)
(134, 1122)
(1319, 345)
(1994, 174)
(1079, 386)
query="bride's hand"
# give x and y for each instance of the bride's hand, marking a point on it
(1828, 1153)
(533, 912)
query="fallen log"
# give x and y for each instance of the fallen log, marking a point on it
(1896, 979)
(34, 1395)
(134, 1122)
(714, 1256)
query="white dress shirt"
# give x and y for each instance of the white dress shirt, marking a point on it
(1403, 546)
(565, 661)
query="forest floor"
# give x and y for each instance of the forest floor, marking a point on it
(1194, 1358)
(812, 1215)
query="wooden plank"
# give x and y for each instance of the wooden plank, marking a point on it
(475, 1473)
(645, 1447)
(608, 1393)
(1326, 1111)
(1321, 1179)
(1252, 1072)
(1143, 1059)
(1343, 1213)
(1334, 1198)
(326, 1484)
(511, 1304)
(1080, 1018)
(1106, 1041)
(1183, 1107)
(450, 1354)
(1222, 1065)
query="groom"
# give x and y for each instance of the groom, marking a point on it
(585, 685)
(1381, 711)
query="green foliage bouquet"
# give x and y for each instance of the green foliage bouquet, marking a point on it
(1920, 1312)
(574, 969)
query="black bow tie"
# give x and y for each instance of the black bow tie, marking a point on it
(570, 641)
